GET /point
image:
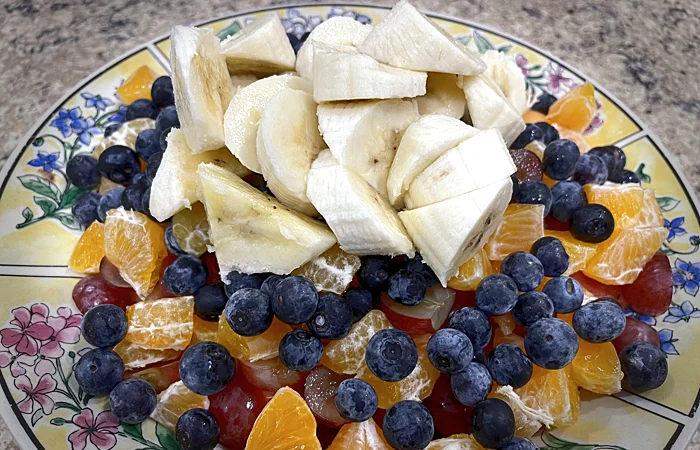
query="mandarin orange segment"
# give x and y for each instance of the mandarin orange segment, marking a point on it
(161, 324)
(204, 330)
(575, 137)
(623, 200)
(252, 348)
(89, 250)
(531, 116)
(286, 423)
(135, 244)
(553, 392)
(138, 85)
(650, 215)
(347, 355)
(521, 226)
(500, 338)
(160, 376)
(135, 357)
(332, 271)
(174, 402)
(360, 436)
(126, 135)
(579, 252)
(191, 230)
(575, 110)
(596, 368)
(455, 442)
(528, 420)
(471, 272)
(506, 323)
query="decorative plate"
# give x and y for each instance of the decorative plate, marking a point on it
(39, 324)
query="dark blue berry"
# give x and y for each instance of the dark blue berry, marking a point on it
(449, 350)
(408, 425)
(132, 197)
(146, 204)
(356, 400)
(210, 301)
(360, 301)
(236, 280)
(533, 192)
(565, 293)
(493, 423)
(407, 288)
(104, 325)
(531, 307)
(163, 139)
(480, 357)
(374, 274)
(171, 243)
(591, 169)
(525, 269)
(471, 385)
(185, 275)
(162, 92)
(141, 179)
(294, 300)
(544, 101)
(111, 200)
(624, 177)
(167, 119)
(509, 366)
(496, 294)
(300, 350)
(615, 159)
(268, 286)
(567, 198)
(549, 133)
(133, 400)
(391, 355)
(332, 319)
(206, 368)
(474, 324)
(592, 223)
(599, 321)
(147, 143)
(142, 108)
(516, 188)
(119, 164)
(551, 343)
(560, 159)
(248, 312)
(197, 429)
(520, 443)
(153, 164)
(112, 128)
(85, 208)
(98, 371)
(551, 253)
(531, 133)
(82, 171)
(417, 265)
(297, 42)
(644, 365)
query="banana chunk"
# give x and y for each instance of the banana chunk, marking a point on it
(443, 96)
(261, 48)
(408, 39)
(364, 223)
(253, 233)
(507, 76)
(202, 86)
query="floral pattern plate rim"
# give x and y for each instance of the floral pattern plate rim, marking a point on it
(39, 339)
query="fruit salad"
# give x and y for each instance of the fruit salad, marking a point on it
(377, 241)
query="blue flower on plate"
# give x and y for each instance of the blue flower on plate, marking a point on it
(66, 119)
(674, 227)
(47, 161)
(686, 276)
(649, 320)
(666, 338)
(96, 101)
(685, 311)
(86, 129)
(120, 115)
(337, 11)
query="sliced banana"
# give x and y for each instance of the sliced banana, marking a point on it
(363, 222)
(202, 86)
(422, 143)
(443, 96)
(407, 38)
(261, 48)
(253, 233)
(341, 73)
(245, 110)
(174, 187)
(242, 80)
(508, 76)
(363, 136)
(337, 31)
(288, 141)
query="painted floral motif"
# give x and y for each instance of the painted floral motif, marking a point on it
(100, 430)
(556, 443)
(674, 227)
(686, 276)
(649, 320)
(685, 311)
(667, 340)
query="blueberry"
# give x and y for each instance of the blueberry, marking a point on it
(297, 42)
(167, 119)
(531, 307)
(147, 143)
(197, 429)
(565, 293)
(171, 243)
(533, 192)
(509, 366)
(294, 300)
(210, 301)
(417, 265)
(98, 371)
(206, 368)
(471, 385)
(163, 139)
(551, 343)
(141, 179)
(520, 443)
(552, 254)
(112, 128)
(360, 301)
(162, 92)
(374, 274)
(142, 108)
(496, 294)
(591, 169)
(153, 164)
(407, 288)
(391, 355)
(644, 365)
(544, 101)
(119, 164)
(146, 204)
(592, 223)
(615, 159)
(133, 400)
(132, 197)
(356, 400)
(624, 177)
(493, 423)
(549, 133)
(332, 319)
(300, 350)
(408, 425)
(248, 312)
(531, 133)
(82, 171)
(268, 286)
(85, 208)
(599, 321)
(185, 275)
(516, 188)
(111, 200)
(567, 198)
(104, 325)
(560, 159)
(450, 350)
(237, 280)
(525, 269)
(480, 357)
(474, 324)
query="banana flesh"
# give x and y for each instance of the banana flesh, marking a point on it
(443, 96)
(508, 76)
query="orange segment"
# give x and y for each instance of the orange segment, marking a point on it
(89, 250)
(650, 215)
(126, 135)
(191, 230)
(135, 244)
(506, 323)
(521, 226)
(332, 271)
(579, 252)
(531, 116)
(360, 436)
(252, 348)
(174, 402)
(138, 85)
(575, 137)
(471, 272)
(575, 110)
(596, 368)
(160, 377)
(623, 200)
(528, 420)
(500, 338)
(553, 392)
(135, 357)
(161, 324)
(286, 423)
(455, 442)
(204, 330)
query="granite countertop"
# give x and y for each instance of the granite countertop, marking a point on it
(645, 52)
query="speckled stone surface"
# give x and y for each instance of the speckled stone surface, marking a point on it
(646, 52)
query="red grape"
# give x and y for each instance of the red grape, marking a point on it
(551, 223)
(160, 377)
(450, 416)
(319, 393)
(271, 374)
(528, 164)
(94, 290)
(636, 331)
(212, 265)
(326, 435)
(600, 290)
(111, 274)
(651, 293)
(378, 417)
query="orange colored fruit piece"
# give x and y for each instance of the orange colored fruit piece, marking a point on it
(360, 436)
(286, 423)
(126, 135)
(528, 420)
(623, 200)
(471, 272)
(575, 110)
(138, 85)
(506, 323)
(204, 330)
(596, 368)
(252, 348)
(161, 324)
(531, 116)
(160, 377)
(174, 402)
(521, 226)
(191, 230)
(332, 271)
(575, 137)
(579, 252)
(650, 215)
(135, 357)
(455, 442)
(135, 244)
(89, 250)
(553, 392)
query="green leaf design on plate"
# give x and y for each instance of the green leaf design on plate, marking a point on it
(38, 142)
(41, 186)
(65, 405)
(554, 443)
(166, 438)
(133, 430)
(229, 31)
(58, 421)
(482, 44)
(69, 197)
(37, 417)
(45, 204)
(28, 214)
(464, 40)
(505, 48)
(67, 220)
(643, 177)
(667, 203)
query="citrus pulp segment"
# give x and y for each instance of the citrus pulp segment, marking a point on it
(161, 324)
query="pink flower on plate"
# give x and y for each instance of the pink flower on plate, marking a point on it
(100, 430)
(36, 394)
(557, 79)
(31, 330)
(521, 62)
(16, 361)
(65, 330)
